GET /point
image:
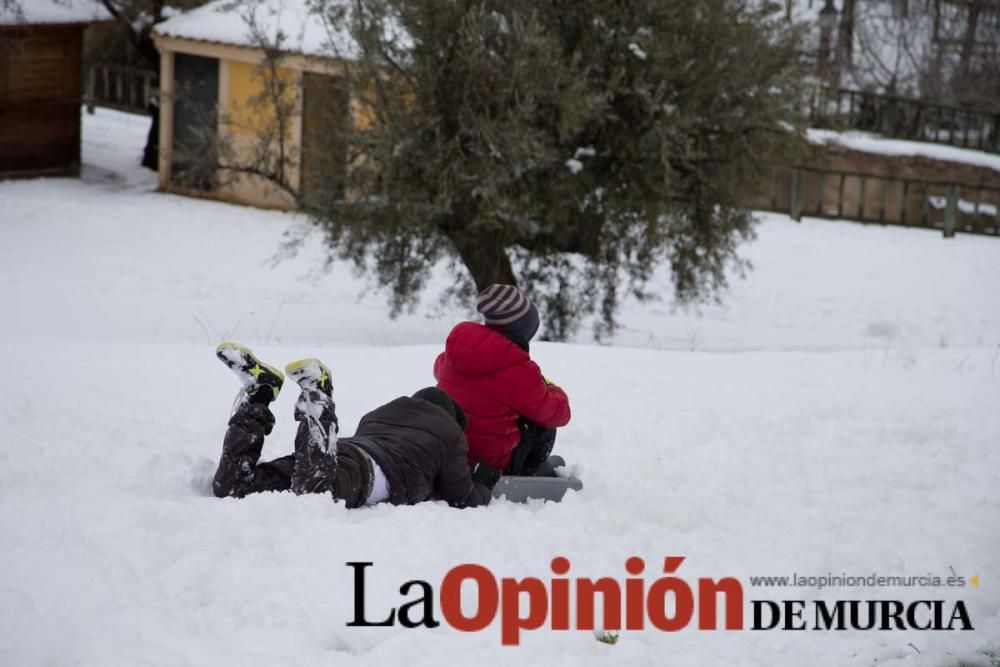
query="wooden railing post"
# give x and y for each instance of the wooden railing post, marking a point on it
(893, 114)
(881, 199)
(975, 210)
(950, 211)
(797, 191)
(925, 213)
(774, 188)
(821, 190)
(996, 213)
(903, 203)
(861, 198)
(840, 197)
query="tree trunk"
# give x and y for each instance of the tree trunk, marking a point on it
(485, 256)
(969, 40)
(845, 36)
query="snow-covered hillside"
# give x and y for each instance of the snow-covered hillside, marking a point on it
(840, 413)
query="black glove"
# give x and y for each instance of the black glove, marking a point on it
(484, 474)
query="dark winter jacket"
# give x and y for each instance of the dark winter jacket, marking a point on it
(496, 382)
(422, 451)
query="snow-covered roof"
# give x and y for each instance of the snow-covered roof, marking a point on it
(52, 11)
(302, 30)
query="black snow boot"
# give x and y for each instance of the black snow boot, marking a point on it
(261, 383)
(250, 422)
(316, 440)
(532, 451)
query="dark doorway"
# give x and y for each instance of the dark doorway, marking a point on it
(325, 117)
(196, 117)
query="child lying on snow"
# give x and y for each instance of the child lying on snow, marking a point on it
(512, 409)
(407, 451)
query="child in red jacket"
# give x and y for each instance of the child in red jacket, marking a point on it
(512, 409)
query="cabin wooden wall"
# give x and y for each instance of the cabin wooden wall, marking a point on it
(40, 95)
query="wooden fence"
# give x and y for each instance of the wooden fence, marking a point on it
(887, 200)
(906, 118)
(119, 87)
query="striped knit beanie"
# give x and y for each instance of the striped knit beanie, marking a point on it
(506, 308)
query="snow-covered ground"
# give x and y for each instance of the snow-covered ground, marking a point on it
(840, 413)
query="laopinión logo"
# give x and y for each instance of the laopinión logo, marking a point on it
(531, 603)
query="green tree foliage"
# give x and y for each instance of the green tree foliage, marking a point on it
(569, 146)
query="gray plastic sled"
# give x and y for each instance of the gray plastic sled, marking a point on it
(523, 489)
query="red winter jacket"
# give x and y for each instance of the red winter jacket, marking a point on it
(495, 382)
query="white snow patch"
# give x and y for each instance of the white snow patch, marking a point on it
(873, 143)
(964, 205)
(574, 165)
(637, 51)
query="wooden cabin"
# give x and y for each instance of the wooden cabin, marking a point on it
(210, 71)
(41, 73)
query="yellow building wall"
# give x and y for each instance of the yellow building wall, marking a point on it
(363, 110)
(249, 109)
(248, 113)
(239, 82)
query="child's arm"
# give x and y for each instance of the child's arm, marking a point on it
(538, 400)
(455, 484)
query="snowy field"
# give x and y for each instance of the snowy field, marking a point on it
(839, 413)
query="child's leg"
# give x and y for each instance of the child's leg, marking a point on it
(533, 449)
(316, 441)
(275, 475)
(238, 473)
